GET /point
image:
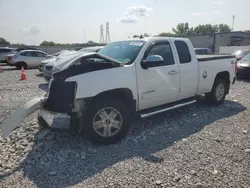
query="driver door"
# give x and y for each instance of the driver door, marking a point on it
(158, 84)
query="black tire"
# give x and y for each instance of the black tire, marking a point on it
(211, 96)
(94, 108)
(74, 122)
(19, 65)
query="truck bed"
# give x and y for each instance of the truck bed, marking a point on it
(213, 57)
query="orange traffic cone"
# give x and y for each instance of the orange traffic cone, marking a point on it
(23, 76)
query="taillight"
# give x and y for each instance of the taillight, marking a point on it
(9, 58)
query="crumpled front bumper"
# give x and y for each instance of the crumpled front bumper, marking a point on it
(16, 118)
(59, 103)
(45, 118)
(53, 120)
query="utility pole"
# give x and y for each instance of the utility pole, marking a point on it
(233, 23)
(101, 35)
(107, 33)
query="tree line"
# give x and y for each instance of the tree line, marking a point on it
(181, 30)
(4, 42)
(184, 30)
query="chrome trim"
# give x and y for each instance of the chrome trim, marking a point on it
(167, 109)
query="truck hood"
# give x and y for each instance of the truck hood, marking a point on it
(63, 55)
(69, 68)
(63, 60)
(70, 59)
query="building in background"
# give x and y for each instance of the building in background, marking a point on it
(214, 41)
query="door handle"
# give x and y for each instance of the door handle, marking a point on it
(172, 72)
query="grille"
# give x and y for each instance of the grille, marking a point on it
(61, 97)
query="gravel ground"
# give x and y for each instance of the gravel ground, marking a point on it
(196, 146)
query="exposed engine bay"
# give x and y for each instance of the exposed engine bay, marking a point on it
(61, 96)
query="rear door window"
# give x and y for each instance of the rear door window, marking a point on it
(28, 54)
(40, 54)
(164, 50)
(183, 52)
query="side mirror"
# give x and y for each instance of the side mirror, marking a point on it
(151, 61)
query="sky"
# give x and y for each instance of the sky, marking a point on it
(77, 21)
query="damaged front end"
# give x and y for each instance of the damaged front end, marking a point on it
(61, 98)
(60, 102)
(19, 115)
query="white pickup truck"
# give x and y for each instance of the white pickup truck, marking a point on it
(103, 91)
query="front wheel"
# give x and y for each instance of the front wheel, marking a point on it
(107, 121)
(219, 91)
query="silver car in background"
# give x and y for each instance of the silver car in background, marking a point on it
(243, 65)
(239, 54)
(53, 58)
(27, 58)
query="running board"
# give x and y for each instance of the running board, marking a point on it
(165, 108)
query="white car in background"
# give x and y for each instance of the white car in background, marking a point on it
(54, 58)
(27, 58)
(55, 66)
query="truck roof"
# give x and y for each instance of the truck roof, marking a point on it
(147, 39)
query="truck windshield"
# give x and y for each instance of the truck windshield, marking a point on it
(123, 51)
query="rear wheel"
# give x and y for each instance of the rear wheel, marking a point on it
(19, 65)
(107, 121)
(219, 91)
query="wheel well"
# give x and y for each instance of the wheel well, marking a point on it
(226, 76)
(124, 95)
(22, 62)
